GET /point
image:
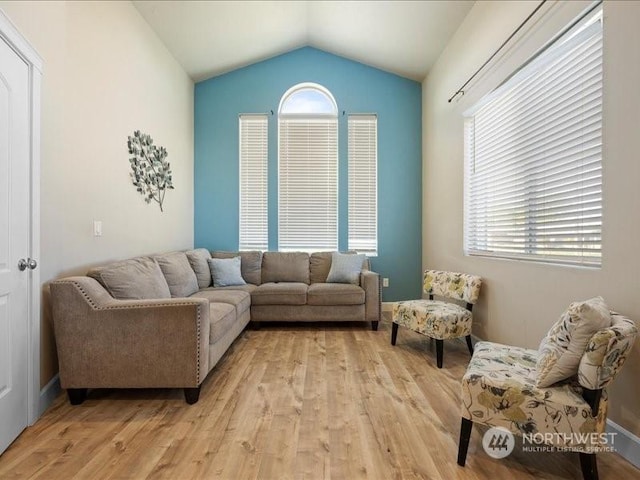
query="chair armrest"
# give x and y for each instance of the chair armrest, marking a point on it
(103, 342)
(370, 282)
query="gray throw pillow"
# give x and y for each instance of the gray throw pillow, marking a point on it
(345, 268)
(226, 272)
(250, 263)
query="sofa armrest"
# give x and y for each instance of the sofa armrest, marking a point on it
(370, 282)
(103, 342)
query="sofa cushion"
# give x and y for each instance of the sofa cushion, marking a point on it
(239, 299)
(198, 261)
(561, 350)
(225, 272)
(221, 317)
(285, 267)
(247, 287)
(133, 279)
(345, 268)
(335, 294)
(178, 273)
(283, 293)
(250, 264)
(319, 266)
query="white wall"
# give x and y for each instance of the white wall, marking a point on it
(106, 74)
(521, 300)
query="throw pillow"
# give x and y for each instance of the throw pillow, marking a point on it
(561, 350)
(250, 264)
(226, 271)
(345, 268)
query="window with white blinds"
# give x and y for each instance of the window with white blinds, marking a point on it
(253, 182)
(363, 184)
(308, 184)
(307, 170)
(533, 152)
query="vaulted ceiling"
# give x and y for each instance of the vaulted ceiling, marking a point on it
(209, 38)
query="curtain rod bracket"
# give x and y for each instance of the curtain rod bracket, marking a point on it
(459, 92)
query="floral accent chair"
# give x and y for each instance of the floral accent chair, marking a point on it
(438, 319)
(499, 390)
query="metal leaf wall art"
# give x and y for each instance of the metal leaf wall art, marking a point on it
(151, 173)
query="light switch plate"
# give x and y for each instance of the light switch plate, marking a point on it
(97, 228)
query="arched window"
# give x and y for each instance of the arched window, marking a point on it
(307, 169)
(308, 99)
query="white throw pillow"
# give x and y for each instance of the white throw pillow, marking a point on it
(345, 268)
(225, 272)
(561, 350)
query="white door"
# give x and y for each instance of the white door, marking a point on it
(14, 244)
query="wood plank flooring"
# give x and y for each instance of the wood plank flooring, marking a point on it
(289, 401)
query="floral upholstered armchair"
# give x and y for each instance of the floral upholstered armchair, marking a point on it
(501, 389)
(437, 319)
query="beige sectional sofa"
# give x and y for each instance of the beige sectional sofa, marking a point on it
(158, 321)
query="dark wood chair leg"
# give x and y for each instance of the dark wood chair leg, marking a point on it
(374, 325)
(463, 443)
(469, 344)
(76, 395)
(191, 395)
(589, 466)
(439, 352)
(394, 333)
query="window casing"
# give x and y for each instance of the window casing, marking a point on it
(254, 148)
(533, 155)
(363, 183)
(307, 170)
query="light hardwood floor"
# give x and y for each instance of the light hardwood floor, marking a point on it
(299, 401)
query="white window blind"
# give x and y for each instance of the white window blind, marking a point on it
(363, 183)
(308, 183)
(533, 154)
(253, 182)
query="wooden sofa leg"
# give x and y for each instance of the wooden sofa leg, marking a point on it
(439, 352)
(191, 395)
(589, 466)
(394, 333)
(76, 395)
(374, 325)
(463, 443)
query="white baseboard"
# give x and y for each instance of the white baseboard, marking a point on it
(48, 394)
(627, 445)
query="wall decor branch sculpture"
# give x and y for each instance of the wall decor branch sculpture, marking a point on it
(151, 172)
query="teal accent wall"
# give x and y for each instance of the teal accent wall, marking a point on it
(357, 88)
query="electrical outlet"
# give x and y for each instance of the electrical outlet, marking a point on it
(97, 228)
(385, 282)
